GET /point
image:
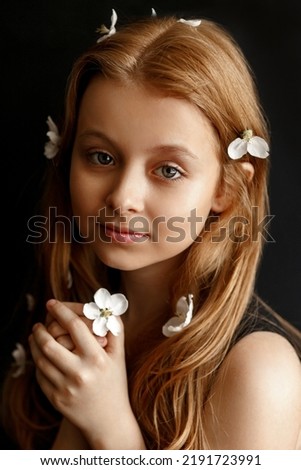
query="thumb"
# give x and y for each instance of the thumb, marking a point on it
(115, 336)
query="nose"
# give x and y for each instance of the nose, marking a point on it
(126, 193)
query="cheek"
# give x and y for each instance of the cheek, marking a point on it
(77, 195)
(85, 204)
(185, 205)
(189, 215)
(183, 225)
(83, 191)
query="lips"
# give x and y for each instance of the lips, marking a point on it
(123, 235)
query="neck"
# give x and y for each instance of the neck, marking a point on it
(148, 293)
(147, 290)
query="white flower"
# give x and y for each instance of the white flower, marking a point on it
(69, 279)
(19, 356)
(30, 301)
(52, 147)
(193, 23)
(104, 31)
(104, 312)
(254, 145)
(182, 318)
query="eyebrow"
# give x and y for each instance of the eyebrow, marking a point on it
(180, 149)
(93, 133)
(184, 151)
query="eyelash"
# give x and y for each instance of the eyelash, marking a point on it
(96, 161)
(178, 170)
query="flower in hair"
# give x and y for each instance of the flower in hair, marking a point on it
(52, 147)
(69, 279)
(247, 143)
(194, 23)
(104, 311)
(104, 31)
(30, 302)
(182, 318)
(19, 356)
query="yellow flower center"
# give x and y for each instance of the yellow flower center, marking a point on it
(105, 312)
(247, 134)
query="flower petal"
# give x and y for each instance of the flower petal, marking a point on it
(69, 279)
(258, 147)
(91, 311)
(99, 326)
(172, 326)
(112, 29)
(189, 311)
(50, 150)
(193, 23)
(237, 148)
(19, 356)
(102, 298)
(182, 306)
(53, 137)
(52, 126)
(184, 310)
(30, 300)
(113, 325)
(113, 21)
(118, 304)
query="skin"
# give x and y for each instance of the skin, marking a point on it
(166, 167)
(256, 397)
(133, 185)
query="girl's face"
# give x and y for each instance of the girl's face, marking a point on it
(144, 174)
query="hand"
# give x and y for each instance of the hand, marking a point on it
(62, 335)
(88, 385)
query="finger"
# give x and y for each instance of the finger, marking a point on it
(115, 344)
(43, 364)
(56, 330)
(66, 341)
(62, 336)
(59, 333)
(63, 359)
(46, 386)
(76, 307)
(48, 319)
(80, 334)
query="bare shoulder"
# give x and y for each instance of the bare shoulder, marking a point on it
(255, 402)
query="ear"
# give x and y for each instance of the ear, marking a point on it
(248, 169)
(222, 199)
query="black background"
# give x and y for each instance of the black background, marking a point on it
(41, 39)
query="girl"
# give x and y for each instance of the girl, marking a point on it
(153, 199)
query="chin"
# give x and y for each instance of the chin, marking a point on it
(122, 262)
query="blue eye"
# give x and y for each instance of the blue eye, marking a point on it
(169, 172)
(101, 158)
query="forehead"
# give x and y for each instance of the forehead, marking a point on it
(135, 111)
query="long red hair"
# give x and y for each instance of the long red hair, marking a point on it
(170, 386)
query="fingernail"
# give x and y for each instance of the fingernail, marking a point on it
(35, 326)
(51, 302)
